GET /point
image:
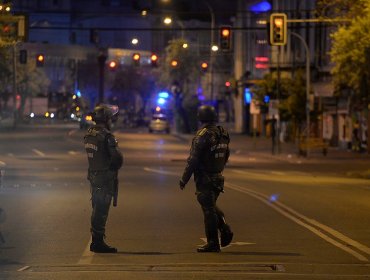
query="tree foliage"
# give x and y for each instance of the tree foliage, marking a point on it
(351, 44)
(186, 72)
(291, 94)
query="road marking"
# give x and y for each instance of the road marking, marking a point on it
(289, 213)
(38, 152)
(72, 152)
(24, 268)
(2, 164)
(87, 255)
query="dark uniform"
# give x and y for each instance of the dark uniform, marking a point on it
(208, 155)
(105, 160)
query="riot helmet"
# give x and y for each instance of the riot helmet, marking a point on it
(207, 113)
(104, 113)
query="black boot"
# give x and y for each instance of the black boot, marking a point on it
(99, 246)
(226, 235)
(210, 247)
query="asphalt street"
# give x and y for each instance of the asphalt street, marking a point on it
(293, 217)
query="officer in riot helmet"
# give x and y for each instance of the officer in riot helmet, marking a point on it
(208, 155)
(105, 159)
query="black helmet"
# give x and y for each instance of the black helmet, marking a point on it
(103, 113)
(207, 113)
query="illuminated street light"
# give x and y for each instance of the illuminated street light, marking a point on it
(214, 48)
(144, 13)
(134, 41)
(185, 45)
(167, 20)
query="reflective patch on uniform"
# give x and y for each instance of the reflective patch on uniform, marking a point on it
(219, 146)
(91, 146)
(219, 155)
(201, 132)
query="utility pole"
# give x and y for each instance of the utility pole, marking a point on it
(239, 69)
(102, 57)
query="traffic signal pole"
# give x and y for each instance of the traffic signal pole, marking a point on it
(307, 88)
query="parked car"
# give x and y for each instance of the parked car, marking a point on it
(159, 123)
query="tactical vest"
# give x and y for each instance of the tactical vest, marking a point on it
(215, 153)
(96, 148)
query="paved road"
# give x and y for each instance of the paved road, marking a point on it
(293, 218)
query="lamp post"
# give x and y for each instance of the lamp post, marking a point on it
(211, 60)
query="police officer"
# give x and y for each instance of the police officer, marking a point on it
(208, 155)
(105, 160)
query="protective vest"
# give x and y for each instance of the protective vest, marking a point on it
(97, 149)
(216, 152)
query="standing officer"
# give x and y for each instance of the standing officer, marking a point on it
(208, 155)
(105, 160)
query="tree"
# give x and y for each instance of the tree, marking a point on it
(31, 81)
(291, 95)
(186, 74)
(351, 51)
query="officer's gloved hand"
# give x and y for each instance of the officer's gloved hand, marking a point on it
(182, 185)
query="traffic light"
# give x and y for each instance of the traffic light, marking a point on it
(278, 29)
(40, 59)
(23, 56)
(136, 59)
(225, 38)
(154, 60)
(112, 65)
(174, 63)
(9, 30)
(204, 66)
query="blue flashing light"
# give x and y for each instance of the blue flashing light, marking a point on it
(161, 101)
(163, 94)
(247, 95)
(266, 99)
(261, 7)
(274, 197)
(78, 93)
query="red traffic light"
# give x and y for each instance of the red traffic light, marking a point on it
(154, 57)
(225, 38)
(40, 59)
(227, 84)
(154, 60)
(174, 63)
(278, 29)
(112, 64)
(136, 56)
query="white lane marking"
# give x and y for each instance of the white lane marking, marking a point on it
(72, 152)
(38, 152)
(284, 211)
(160, 171)
(87, 255)
(2, 164)
(24, 268)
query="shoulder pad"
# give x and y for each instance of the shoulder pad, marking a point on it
(201, 132)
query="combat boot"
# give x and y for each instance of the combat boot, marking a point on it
(210, 247)
(226, 235)
(99, 246)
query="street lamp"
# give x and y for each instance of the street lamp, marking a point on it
(168, 20)
(134, 41)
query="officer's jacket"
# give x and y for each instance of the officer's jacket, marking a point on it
(102, 149)
(209, 152)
